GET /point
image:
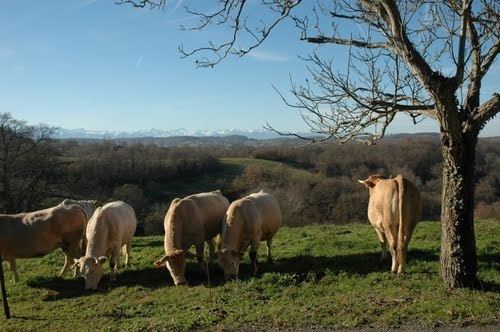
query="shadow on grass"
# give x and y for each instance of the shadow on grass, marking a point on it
(298, 266)
(360, 264)
(152, 278)
(148, 244)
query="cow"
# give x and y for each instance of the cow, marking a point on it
(88, 206)
(110, 230)
(393, 210)
(35, 234)
(248, 221)
(193, 220)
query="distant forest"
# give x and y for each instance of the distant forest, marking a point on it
(314, 184)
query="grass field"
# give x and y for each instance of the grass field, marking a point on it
(323, 276)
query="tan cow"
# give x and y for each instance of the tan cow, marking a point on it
(110, 229)
(35, 234)
(248, 221)
(393, 210)
(191, 221)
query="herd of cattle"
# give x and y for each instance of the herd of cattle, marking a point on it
(90, 235)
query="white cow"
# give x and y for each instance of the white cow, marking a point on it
(110, 229)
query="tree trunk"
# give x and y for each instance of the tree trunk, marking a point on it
(458, 244)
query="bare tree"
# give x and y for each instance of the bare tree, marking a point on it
(421, 58)
(26, 161)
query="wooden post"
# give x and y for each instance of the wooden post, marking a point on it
(4, 292)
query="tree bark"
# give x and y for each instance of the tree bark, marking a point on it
(458, 246)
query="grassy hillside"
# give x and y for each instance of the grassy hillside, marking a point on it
(236, 166)
(323, 276)
(230, 169)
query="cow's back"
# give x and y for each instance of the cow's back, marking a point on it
(269, 213)
(120, 220)
(35, 234)
(412, 205)
(257, 214)
(383, 206)
(208, 209)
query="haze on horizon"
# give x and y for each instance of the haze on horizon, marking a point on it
(95, 65)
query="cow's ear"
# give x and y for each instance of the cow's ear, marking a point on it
(101, 260)
(161, 261)
(175, 253)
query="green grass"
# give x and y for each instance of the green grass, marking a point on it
(323, 276)
(230, 169)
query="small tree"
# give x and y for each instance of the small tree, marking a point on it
(397, 64)
(26, 163)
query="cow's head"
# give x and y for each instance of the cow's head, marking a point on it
(91, 269)
(372, 180)
(229, 261)
(176, 265)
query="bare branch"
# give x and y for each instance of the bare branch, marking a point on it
(151, 4)
(484, 113)
(341, 41)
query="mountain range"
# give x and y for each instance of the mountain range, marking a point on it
(80, 133)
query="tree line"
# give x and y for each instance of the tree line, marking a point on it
(37, 171)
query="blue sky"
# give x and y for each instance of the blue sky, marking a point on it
(95, 65)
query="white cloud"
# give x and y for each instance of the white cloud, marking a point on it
(179, 2)
(139, 61)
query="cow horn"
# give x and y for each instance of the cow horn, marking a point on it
(361, 181)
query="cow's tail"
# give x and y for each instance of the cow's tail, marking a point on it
(402, 208)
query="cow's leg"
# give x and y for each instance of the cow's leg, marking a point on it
(211, 249)
(126, 251)
(402, 257)
(269, 256)
(13, 268)
(200, 248)
(254, 247)
(392, 240)
(113, 262)
(383, 245)
(67, 263)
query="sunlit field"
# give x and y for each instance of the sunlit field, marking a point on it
(322, 277)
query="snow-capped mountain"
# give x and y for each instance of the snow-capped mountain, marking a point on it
(98, 134)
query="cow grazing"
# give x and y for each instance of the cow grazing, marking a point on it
(110, 229)
(191, 221)
(248, 221)
(35, 234)
(393, 210)
(89, 207)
